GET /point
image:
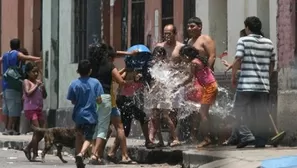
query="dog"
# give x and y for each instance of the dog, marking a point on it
(59, 137)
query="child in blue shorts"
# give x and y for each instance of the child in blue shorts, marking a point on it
(84, 93)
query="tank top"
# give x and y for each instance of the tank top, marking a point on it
(34, 101)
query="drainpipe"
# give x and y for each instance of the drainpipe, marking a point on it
(111, 20)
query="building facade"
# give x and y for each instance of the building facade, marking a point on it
(21, 20)
(69, 26)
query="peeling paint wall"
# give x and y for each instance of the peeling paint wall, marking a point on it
(286, 32)
(287, 70)
(153, 20)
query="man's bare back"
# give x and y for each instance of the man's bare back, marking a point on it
(172, 51)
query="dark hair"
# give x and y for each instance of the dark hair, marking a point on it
(192, 53)
(159, 52)
(242, 33)
(195, 20)
(174, 30)
(254, 24)
(84, 67)
(15, 44)
(29, 67)
(99, 54)
(112, 53)
(24, 51)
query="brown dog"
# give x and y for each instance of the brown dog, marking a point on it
(59, 137)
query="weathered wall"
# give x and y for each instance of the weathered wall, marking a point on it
(287, 82)
(153, 20)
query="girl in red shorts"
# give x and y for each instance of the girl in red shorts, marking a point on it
(201, 73)
(33, 95)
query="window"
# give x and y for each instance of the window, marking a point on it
(80, 30)
(124, 43)
(167, 12)
(137, 21)
(189, 11)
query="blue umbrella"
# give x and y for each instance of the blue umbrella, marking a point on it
(283, 162)
(141, 59)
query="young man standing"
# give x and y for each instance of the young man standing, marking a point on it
(255, 58)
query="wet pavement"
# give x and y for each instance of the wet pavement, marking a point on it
(188, 155)
(14, 159)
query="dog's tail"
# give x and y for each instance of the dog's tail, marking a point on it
(38, 129)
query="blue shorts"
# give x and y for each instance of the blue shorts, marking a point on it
(12, 103)
(87, 130)
(115, 112)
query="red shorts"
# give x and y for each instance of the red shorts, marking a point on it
(34, 114)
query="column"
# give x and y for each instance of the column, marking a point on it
(202, 11)
(28, 25)
(218, 28)
(236, 16)
(263, 12)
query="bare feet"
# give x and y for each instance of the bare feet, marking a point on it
(204, 143)
(127, 160)
(175, 143)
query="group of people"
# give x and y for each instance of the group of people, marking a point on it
(96, 107)
(14, 101)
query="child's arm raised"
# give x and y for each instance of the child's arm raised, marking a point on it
(27, 87)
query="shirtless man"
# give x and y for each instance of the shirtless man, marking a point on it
(206, 47)
(172, 47)
(203, 43)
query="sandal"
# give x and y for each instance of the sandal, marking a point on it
(27, 154)
(226, 143)
(160, 145)
(79, 161)
(112, 159)
(175, 143)
(95, 160)
(149, 145)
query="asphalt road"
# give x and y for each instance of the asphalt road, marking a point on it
(14, 159)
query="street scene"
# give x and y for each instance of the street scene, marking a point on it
(139, 83)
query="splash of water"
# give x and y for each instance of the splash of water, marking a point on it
(163, 94)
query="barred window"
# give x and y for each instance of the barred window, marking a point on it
(80, 30)
(167, 12)
(137, 23)
(189, 11)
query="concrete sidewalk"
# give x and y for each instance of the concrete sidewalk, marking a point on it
(187, 155)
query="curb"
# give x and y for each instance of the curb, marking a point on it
(193, 159)
(171, 156)
(137, 153)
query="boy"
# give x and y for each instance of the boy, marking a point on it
(84, 93)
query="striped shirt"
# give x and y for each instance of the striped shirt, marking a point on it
(256, 53)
